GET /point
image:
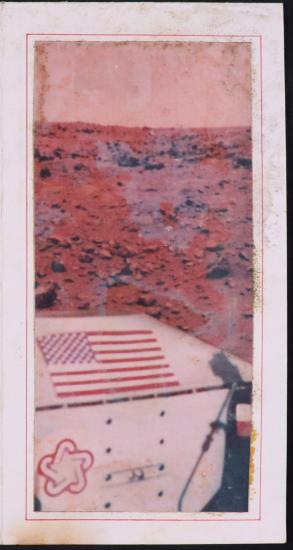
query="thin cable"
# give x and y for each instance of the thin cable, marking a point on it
(206, 444)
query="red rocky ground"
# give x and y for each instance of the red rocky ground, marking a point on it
(157, 221)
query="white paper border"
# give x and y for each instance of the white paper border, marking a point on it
(19, 22)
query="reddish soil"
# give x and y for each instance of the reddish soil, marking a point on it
(146, 220)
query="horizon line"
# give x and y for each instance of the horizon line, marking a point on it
(142, 127)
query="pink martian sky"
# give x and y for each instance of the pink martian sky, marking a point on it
(156, 84)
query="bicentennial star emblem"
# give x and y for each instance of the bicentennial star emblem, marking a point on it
(65, 469)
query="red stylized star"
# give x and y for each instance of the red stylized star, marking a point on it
(65, 469)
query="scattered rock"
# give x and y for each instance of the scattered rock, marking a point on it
(128, 239)
(247, 163)
(151, 248)
(79, 167)
(42, 158)
(218, 272)
(85, 259)
(57, 267)
(41, 275)
(146, 301)
(216, 248)
(45, 296)
(125, 271)
(58, 153)
(128, 161)
(84, 306)
(243, 257)
(157, 166)
(45, 173)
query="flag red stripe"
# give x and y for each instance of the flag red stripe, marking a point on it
(119, 390)
(117, 379)
(135, 350)
(114, 342)
(118, 332)
(154, 358)
(103, 371)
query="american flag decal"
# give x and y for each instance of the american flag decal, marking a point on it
(105, 362)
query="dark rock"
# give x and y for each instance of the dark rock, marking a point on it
(243, 257)
(127, 161)
(42, 158)
(125, 271)
(45, 173)
(58, 267)
(222, 183)
(45, 296)
(216, 248)
(247, 163)
(85, 259)
(57, 152)
(79, 167)
(174, 153)
(146, 302)
(37, 154)
(41, 275)
(218, 272)
(156, 314)
(189, 202)
(156, 166)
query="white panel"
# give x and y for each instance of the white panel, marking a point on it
(127, 439)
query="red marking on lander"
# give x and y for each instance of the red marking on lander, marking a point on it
(65, 469)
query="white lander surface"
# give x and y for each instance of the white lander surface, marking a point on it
(124, 406)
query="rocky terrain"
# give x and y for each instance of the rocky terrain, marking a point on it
(147, 220)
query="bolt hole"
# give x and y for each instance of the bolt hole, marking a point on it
(108, 450)
(160, 493)
(161, 467)
(109, 421)
(107, 504)
(108, 477)
(162, 413)
(161, 441)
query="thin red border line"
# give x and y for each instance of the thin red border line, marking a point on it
(26, 274)
(262, 254)
(262, 269)
(148, 34)
(139, 519)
